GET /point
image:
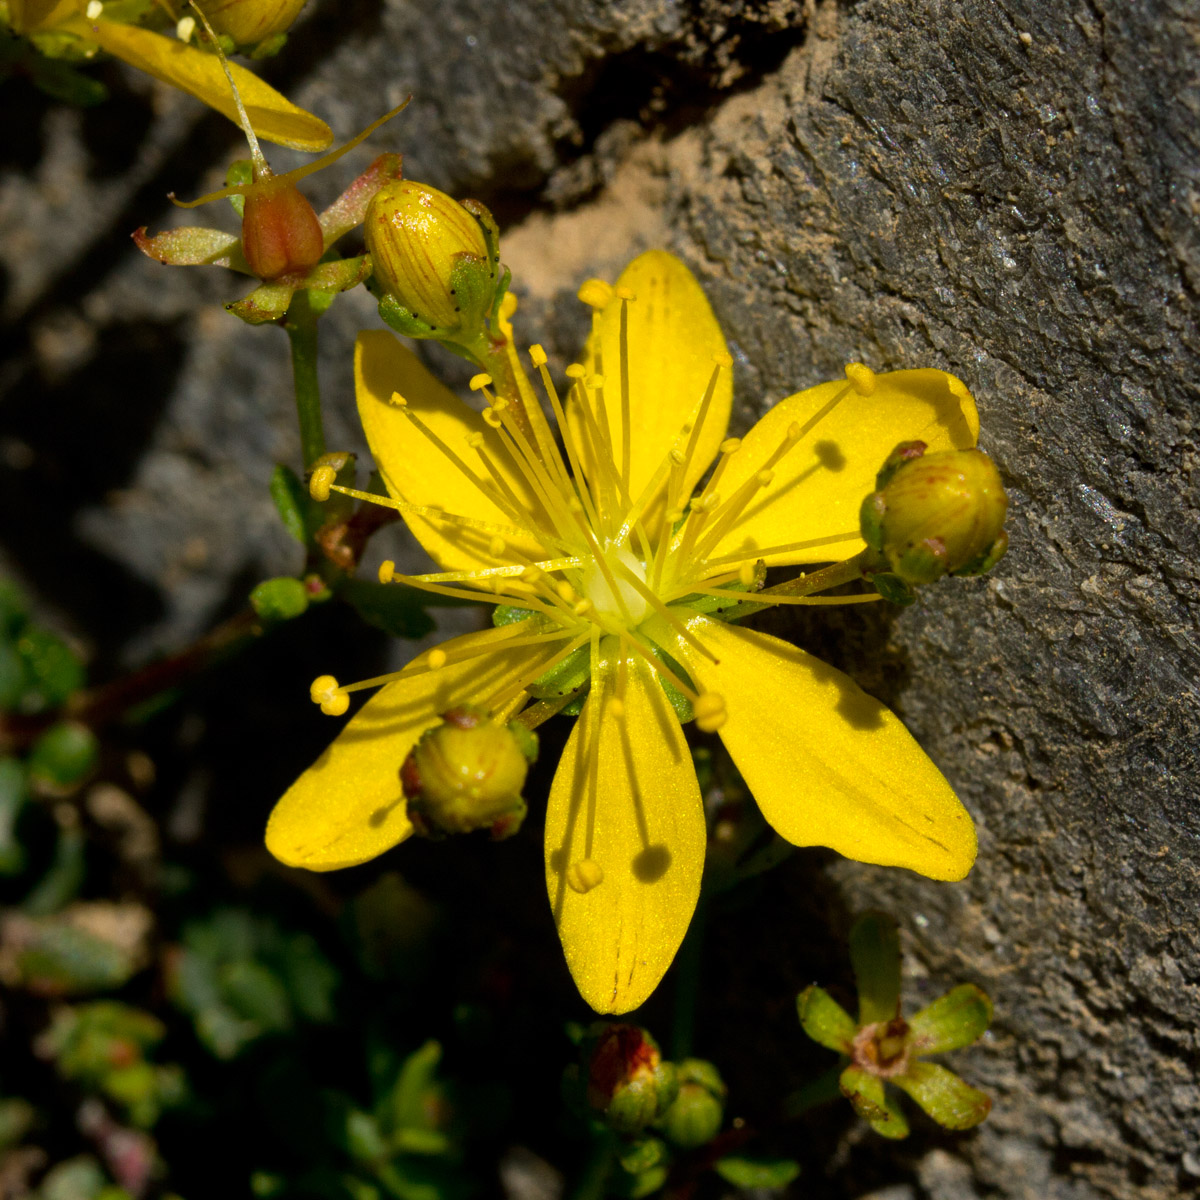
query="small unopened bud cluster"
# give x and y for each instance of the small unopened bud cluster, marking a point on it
(466, 773)
(933, 515)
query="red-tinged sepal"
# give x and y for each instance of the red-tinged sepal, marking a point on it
(338, 276)
(191, 246)
(350, 208)
(264, 304)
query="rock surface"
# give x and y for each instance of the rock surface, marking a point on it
(1007, 189)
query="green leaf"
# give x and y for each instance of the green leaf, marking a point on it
(875, 956)
(292, 502)
(64, 754)
(405, 1106)
(957, 1019)
(392, 607)
(13, 794)
(879, 1110)
(52, 670)
(14, 609)
(825, 1020)
(950, 1101)
(757, 1170)
(62, 882)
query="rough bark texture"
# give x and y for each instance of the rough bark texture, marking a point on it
(1007, 189)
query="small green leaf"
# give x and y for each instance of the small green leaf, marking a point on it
(392, 607)
(52, 670)
(957, 1019)
(279, 599)
(291, 502)
(866, 1093)
(64, 754)
(14, 792)
(14, 609)
(952, 1103)
(825, 1020)
(875, 956)
(757, 1171)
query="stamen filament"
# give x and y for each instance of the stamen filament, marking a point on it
(659, 607)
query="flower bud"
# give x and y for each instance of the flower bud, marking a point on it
(280, 232)
(935, 514)
(467, 773)
(249, 22)
(436, 261)
(695, 1117)
(628, 1084)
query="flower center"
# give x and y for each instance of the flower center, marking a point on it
(610, 588)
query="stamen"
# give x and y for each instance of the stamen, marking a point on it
(387, 571)
(786, 548)
(584, 874)
(332, 699)
(659, 607)
(862, 377)
(709, 708)
(770, 598)
(626, 432)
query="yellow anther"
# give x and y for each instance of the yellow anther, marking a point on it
(729, 445)
(479, 382)
(707, 503)
(387, 571)
(595, 382)
(584, 874)
(709, 709)
(575, 505)
(322, 688)
(475, 440)
(746, 574)
(723, 359)
(537, 356)
(492, 418)
(674, 515)
(496, 546)
(616, 707)
(583, 607)
(183, 30)
(320, 483)
(532, 574)
(575, 371)
(861, 377)
(764, 478)
(565, 591)
(595, 293)
(677, 457)
(793, 432)
(397, 400)
(499, 404)
(436, 659)
(624, 293)
(336, 704)
(95, 8)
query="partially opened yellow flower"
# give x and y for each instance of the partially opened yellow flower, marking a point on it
(180, 64)
(613, 562)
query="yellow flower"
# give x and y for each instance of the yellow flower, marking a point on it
(619, 560)
(174, 62)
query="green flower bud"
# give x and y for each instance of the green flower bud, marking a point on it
(628, 1084)
(435, 260)
(64, 754)
(935, 514)
(467, 773)
(695, 1117)
(279, 599)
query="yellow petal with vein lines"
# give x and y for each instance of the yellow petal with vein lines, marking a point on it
(821, 483)
(418, 472)
(641, 821)
(273, 116)
(673, 340)
(348, 806)
(828, 764)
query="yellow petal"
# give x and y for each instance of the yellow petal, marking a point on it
(822, 481)
(348, 806)
(418, 472)
(673, 343)
(273, 116)
(829, 765)
(635, 831)
(37, 16)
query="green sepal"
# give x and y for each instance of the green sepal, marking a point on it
(266, 303)
(824, 1020)
(241, 172)
(957, 1019)
(643, 1154)
(875, 956)
(950, 1101)
(681, 705)
(865, 1092)
(509, 614)
(695, 1116)
(473, 286)
(269, 47)
(892, 588)
(526, 739)
(338, 275)
(565, 677)
(194, 246)
(870, 520)
(64, 754)
(988, 559)
(393, 607)
(751, 1171)
(280, 599)
(393, 314)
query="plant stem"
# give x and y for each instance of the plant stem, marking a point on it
(300, 324)
(596, 1169)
